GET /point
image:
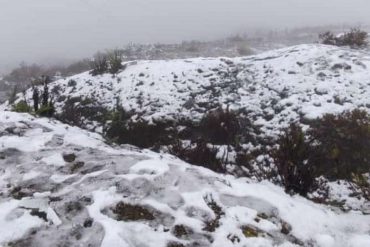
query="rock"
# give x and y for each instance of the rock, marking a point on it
(286, 228)
(250, 231)
(70, 157)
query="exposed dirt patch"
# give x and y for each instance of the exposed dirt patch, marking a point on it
(128, 212)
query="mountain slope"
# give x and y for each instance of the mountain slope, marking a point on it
(272, 88)
(62, 186)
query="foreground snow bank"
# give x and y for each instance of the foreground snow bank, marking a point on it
(60, 185)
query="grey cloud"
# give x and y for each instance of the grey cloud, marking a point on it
(34, 30)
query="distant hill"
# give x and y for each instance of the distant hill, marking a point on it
(274, 88)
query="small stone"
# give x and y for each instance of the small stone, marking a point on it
(69, 157)
(88, 222)
(285, 228)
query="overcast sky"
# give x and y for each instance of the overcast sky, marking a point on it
(37, 30)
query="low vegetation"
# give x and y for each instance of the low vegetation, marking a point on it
(355, 38)
(21, 106)
(109, 62)
(42, 104)
(128, 212)
(335, 147)
(294, 161)
(343, 143)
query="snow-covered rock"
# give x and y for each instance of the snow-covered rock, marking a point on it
(63, 186)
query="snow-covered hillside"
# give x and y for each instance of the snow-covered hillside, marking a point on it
(272, 88)
(63, 186)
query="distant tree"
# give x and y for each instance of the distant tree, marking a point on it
(99, 64)
(355, 38)
(76, 67)
(13, 94)
(24, 73)
(244, 50)
(45, 94)
(115, 61)
(327, 38)
(36, 98)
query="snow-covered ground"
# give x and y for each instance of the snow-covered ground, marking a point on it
(273, 88)
(59, 186)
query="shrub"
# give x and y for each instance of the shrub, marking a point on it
(76, 110)
(115, 61)
(328, 38)
(46, 110)
(355, 38)
(140, 133)
(198, 153)
(21, 106)
(117, 124)
(72, 83)
(99, 64)
(220, 127)
(294, 161)
(343, 143)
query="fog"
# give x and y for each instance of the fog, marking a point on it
(62, 30)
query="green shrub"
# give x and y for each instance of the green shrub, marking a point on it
(355, 38)
(295, 161)
(335, 146)
(99, 65)
(21, 106)
(46, 110)
(115, 61)
(343, 143)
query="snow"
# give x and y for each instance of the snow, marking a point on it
(55, 159)
(301, 81)
(31, 175)
(14, 224)
(306, 80)
(180, 192)
(153, 167)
